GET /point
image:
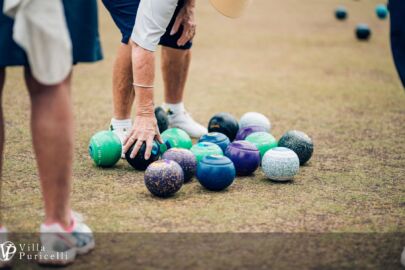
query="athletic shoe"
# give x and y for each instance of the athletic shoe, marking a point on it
(184, 121)
(121, 132)
(3, 239)
(62, 246)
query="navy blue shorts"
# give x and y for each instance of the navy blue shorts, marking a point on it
(82, 21)
(124, 12)
(397, 14)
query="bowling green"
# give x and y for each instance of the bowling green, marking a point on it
(287, 59)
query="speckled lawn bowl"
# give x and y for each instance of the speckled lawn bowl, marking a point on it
(164, 178)
(300, 143)
(245, 156)
(280, 164)
(185, 158)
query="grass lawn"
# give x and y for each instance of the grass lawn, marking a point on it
(290, 60)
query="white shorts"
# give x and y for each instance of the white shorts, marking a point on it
(151, 22)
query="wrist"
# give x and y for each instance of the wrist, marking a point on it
(144, 105)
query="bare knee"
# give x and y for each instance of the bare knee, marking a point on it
(37, 89)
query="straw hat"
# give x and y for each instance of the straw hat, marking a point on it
(231, 8)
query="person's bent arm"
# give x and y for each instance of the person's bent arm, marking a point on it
(145, 127)
(152, 19)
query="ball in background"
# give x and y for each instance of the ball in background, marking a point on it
(246, 131)
(164, 178)
(139, 162)
(255, 119)
(185, 158)
(162, 119)
(216, 172)
(300, 143)
(363, 32)
(203, 149)
(175, 138)
(245, 156)
(219, 139)
(263, 141)
(105, 148)
(382, 11)
(280, 164)
(224, 123)
(341, 13)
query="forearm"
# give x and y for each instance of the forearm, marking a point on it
(143, 68)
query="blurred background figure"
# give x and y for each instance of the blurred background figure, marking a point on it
(397, 13)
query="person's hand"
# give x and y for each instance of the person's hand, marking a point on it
(186, 19)
(145, 129)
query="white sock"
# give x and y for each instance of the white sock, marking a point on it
(174, 108)
(121, 124)
(3, 229)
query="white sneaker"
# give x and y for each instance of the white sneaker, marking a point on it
(121, 132)
(60, 247)
(184, 121)
(3, 240)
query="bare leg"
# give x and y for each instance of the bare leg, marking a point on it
(123, 92)
(2, 79)
(175, 66)
(52, 133)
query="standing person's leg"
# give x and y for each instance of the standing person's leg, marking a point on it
(175, 65)
(124, 14)
(52, 133)
(123, 92)
(176, 56)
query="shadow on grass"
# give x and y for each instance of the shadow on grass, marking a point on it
(267, 181)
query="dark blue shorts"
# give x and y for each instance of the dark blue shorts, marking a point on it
(82, 21)
(397, 14)
(124, 12)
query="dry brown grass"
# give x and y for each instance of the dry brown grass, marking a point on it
(288, 59)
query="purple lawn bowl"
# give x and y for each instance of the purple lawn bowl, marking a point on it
(246, 131)
(245, 156)
(185, 158)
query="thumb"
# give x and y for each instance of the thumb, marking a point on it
(176, 26)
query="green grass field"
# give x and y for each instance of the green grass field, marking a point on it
(290, 60)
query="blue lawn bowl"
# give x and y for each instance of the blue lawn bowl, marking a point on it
(215, 172)
(218, 138)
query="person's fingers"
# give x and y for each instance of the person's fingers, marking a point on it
(158, 137)
(129, 141)
(176, 26)
(127, 137)
(186, 36)
(149, 145)
(137, 146)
